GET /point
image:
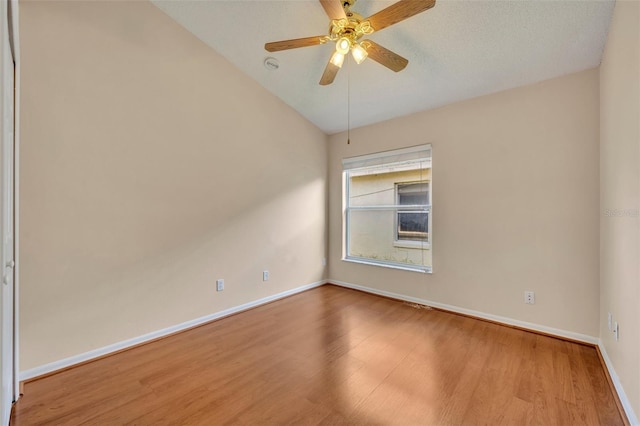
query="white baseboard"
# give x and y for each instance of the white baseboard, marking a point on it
(504, 320)
(87, 356)
(626, 404)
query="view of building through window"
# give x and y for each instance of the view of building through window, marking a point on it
(387, 208)
(413, 223)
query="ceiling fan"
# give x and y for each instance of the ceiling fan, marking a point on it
(347, 28)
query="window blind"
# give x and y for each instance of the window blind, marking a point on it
(408, 156)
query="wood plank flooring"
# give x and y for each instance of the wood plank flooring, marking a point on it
(333, 356)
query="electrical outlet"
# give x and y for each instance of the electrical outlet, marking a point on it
(219, 285)
(324, 261)
(265, 275)
(529, 297)
(616, 331)
(610, 321)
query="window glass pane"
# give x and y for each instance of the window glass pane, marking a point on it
(413, 226)
(412, 199)
(373, 237)
(413, 193)
(388, 208)
(371, 190)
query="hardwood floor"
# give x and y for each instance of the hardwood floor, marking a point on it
(333, 356)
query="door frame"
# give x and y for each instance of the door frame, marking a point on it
(9, 17)
(14, 41)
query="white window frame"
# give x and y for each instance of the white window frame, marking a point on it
(396, 160)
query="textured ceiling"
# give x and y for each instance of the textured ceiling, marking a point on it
(457, 50)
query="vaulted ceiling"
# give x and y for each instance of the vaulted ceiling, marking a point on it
(459, 49)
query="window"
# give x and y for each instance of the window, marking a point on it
(387, 209)
(413, 220)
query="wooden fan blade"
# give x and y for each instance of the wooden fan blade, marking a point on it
(276, 46)
(334, 9)
(398, 12)
(384, 56)
(329, 74)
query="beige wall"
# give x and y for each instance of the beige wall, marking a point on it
(620, 195)
(515, 203)
(151, 167)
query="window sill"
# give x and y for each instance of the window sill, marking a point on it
(421, 269)
(412, 245)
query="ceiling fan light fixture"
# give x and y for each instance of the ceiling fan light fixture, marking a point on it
(337, 59)
(359, 53)
(343, 45)
(346, 28)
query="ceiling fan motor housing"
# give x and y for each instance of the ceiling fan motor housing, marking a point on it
(353, 28)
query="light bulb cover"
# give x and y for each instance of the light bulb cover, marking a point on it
(359, 53)
(337, 59)
(343, 45)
